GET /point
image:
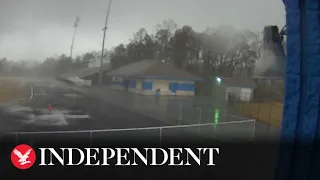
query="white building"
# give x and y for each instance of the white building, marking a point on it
(241, 88)
(151, 77)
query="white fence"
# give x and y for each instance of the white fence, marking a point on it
(214, 131)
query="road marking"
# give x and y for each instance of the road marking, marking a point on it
(76, 116)
(43, 92)
(72, 95)
(52, 119)
(32, 93)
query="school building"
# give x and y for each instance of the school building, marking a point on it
(150, 77)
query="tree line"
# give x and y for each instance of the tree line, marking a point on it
(50, 67)
(222, 51)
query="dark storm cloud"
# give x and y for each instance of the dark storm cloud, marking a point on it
(35, 29)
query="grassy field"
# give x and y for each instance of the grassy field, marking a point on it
(12, 90)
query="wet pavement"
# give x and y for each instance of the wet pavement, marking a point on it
(71, 110)
(75, 110)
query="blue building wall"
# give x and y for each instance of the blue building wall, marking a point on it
(156, 86)
(174, 86)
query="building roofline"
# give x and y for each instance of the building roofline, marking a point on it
(171, 78)
(161, 77)
(150, 69)
(247, 86)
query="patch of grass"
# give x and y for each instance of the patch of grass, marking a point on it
(12, 90)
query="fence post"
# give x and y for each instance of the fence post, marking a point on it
(214, 131)
(270, 117)
(16, 137)
(180, 114)
(199, 121)
(160, 138)
(258, 113)
(200, 116)
(254, 130)
(90, 138)
(164, 108)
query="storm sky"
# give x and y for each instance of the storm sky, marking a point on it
(36, 29)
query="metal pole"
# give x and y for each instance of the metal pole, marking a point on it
(160, 138)
(214, 131)
(200, 116)
(74, 34)
(180, 112)
(104, 36)
(90, 138)
(199, 121)
(254, 130)
(269, 123)
(16, 138)
(75, 25)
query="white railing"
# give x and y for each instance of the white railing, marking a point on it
(160, 129)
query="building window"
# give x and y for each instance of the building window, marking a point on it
(173, 87)
(246, 96)
(132, 84)
(147, 85)
(118, 83)
(186, 87)
(116, 78)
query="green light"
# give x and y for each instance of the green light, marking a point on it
(216, 116)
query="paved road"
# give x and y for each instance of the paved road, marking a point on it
(73, 110)
(79, 110)
(101, 114)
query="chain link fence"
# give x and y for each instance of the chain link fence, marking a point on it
(267, 114)
(174, 110)
(177, 111)
(160, 135)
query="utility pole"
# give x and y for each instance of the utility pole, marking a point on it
(75, 25)
(104, 36)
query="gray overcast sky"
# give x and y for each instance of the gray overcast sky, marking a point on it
(36, 29)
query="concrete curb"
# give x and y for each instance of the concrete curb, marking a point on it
(21, 100)
(31, 92)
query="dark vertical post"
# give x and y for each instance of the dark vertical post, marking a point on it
(103, 41)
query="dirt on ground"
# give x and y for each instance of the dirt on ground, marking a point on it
(12, 90)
